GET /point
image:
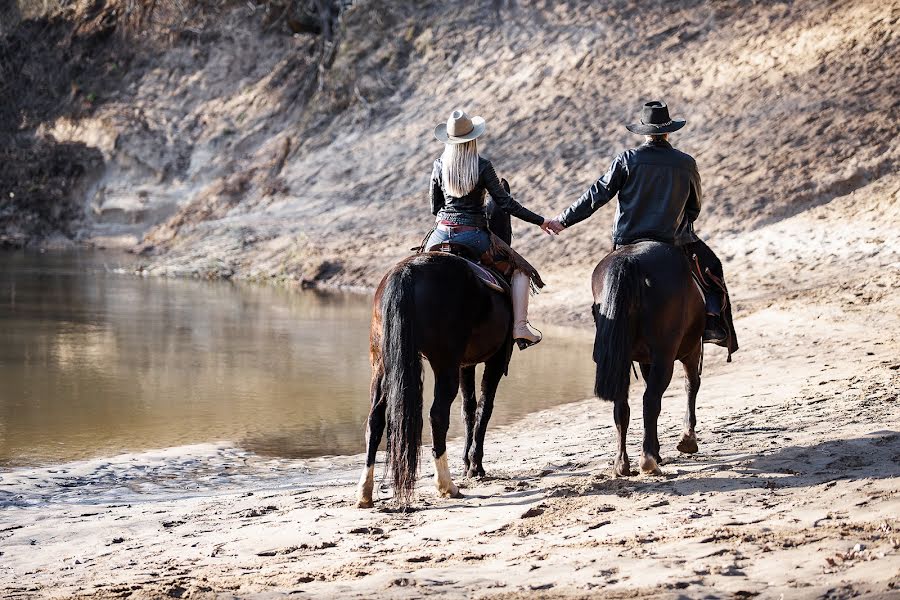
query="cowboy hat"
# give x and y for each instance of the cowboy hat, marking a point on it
(459, 128)
(655, 120)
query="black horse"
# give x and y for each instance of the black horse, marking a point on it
(433, 305)
(647, 309)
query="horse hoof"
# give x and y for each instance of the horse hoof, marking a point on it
(475, 473)
(365, 503)
(649, 466)
(623, 469)
(452, 492)
(688, 445)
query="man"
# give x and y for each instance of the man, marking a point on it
(659, 199)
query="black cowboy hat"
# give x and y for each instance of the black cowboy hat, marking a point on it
(655, 120)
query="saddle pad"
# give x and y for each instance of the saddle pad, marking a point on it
(487, 277)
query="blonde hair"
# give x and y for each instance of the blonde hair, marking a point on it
(459, 168)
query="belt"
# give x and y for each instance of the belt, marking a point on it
(448, 226)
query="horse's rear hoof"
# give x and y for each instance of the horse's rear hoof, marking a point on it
(688, 445)
(365, 503)
(649, 466)
(622, 469)
(475, 473)
(451, 493)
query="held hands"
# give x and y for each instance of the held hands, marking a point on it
(552, 226)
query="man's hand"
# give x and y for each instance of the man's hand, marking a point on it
(553, 226)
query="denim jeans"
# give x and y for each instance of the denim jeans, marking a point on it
(477, 239)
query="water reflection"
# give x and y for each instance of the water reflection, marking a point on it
(95, 363)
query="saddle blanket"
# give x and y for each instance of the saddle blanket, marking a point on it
(489, 279)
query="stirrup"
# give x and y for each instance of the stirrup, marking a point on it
(715, 331)
(523, 343)
(714, 336)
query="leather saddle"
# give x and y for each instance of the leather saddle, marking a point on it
(487, 276)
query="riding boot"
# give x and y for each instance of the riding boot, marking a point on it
(715, 331)
(523, 334)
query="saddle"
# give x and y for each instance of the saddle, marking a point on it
(491, 279)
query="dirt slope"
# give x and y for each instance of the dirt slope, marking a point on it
(786, 105)
(221, 159)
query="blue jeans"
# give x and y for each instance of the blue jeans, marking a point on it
(477, 239)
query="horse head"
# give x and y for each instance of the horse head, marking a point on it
(499, 221)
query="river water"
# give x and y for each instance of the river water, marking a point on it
(96, 363)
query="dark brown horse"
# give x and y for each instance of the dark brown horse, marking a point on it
(433, 305)
(647, 309)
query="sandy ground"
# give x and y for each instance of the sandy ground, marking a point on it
(795, 492)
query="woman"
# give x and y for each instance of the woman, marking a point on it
(459, 181)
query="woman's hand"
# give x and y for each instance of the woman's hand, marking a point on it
(545, 226)
(552, 226)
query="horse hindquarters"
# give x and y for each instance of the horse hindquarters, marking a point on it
(402, 381)
(614, 339)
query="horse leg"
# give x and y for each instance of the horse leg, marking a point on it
(493, 372)
(622, 415)
(657, 377)
(446, 385)
(645, 374)
(688, 443)
(374, 431)
(469, 404)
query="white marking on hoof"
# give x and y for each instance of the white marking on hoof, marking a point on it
(649, 466)
(365, 487)
(442, 480)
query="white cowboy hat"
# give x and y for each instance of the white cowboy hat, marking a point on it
(459, 128)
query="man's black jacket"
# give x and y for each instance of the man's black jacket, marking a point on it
(659, 195)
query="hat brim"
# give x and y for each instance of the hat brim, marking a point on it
(478, 127)
(642, 129)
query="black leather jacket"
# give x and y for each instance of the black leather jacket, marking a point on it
(659, 195)
(469, 209)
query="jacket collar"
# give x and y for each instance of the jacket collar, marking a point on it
(657, 144)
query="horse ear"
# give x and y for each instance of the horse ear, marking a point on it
(505, 184)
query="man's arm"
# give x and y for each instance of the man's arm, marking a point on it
(436, 193)
(597, 195)
(695, 198)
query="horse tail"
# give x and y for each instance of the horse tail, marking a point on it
(402, 383)
(615, 331)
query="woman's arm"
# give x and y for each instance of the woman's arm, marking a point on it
(504, 200)
(436, 193)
